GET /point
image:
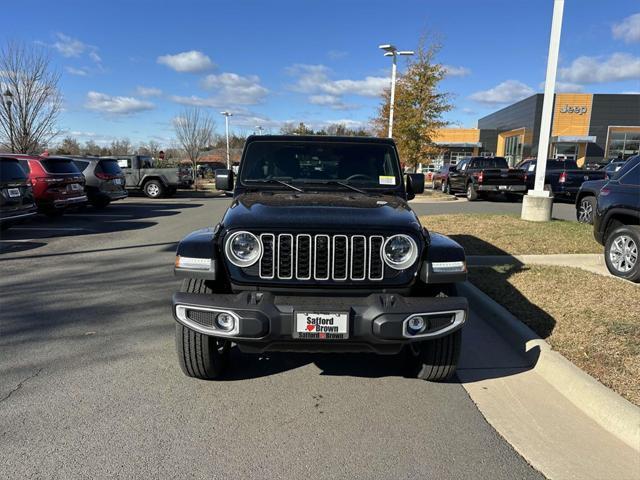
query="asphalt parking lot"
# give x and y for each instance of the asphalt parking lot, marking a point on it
(90, 386)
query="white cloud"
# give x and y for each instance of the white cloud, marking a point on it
(616, 67)
(628, 29)
(81, 72)
(332, 102)
(565, 87)
(315, 79)
(196, 101)
(632, 93)
(192, 61)
(68, 46)
(72, 47)
(148, 91)
(234, 89)
(337, 54)
(453, 71)
(101, 102)
(508, 91)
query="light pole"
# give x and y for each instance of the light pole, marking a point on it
(226, 122)
(537, 204)
(392, 51)
(8, 101)
(259, 129)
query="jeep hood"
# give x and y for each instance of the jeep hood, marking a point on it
(324, 211)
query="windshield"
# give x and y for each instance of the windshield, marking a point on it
(11, 170)
(495, 162)
(59, 165)
(360, 164)
(109, 167)
(562, 165)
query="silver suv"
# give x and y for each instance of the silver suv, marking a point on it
(105, 180)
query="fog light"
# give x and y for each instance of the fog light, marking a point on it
(416, 325)
(225, 322)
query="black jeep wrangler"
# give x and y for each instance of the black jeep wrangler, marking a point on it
(319, 252)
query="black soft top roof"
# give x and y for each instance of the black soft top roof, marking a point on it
(320, 138)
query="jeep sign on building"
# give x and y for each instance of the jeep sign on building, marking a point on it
(588, 128)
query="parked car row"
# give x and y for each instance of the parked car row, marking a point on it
(613, 206)
(52, 185)
(477, 176)
(564, 177)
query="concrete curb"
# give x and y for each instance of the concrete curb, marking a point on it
(612, 412)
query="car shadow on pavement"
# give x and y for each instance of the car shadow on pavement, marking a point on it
(116, 218)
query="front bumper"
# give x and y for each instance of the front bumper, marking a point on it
(501, 188)
(265, 322)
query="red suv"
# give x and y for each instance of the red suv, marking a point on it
(57, 183)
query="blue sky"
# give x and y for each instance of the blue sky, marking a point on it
(129, 67)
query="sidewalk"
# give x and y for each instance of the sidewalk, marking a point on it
(592, 262)
(541, 423)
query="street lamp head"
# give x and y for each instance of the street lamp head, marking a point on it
(388, 48)
(406, 52)
(226, 114)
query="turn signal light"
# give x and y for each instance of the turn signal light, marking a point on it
(481, 177)
(563, 177)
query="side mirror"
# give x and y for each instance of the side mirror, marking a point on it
(415, 184)
(224, 180)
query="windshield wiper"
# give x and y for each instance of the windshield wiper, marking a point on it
(281, 182)
(342, 184)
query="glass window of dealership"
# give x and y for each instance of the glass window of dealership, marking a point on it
(588, 128)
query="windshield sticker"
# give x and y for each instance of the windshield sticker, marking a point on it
(532, 167)
(387, 180)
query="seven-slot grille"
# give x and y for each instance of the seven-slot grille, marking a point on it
(321, 257)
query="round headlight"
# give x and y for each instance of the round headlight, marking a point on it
(243, 249)
(400, 251)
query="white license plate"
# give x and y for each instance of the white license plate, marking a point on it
(14, 192)
(503, 187)
(321, 325)
(117, 181)
(75, 187)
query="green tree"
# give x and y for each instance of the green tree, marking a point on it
(419, 105)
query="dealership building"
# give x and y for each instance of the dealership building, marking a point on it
(588, 128)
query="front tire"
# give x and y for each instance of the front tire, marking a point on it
(446, 188)
(584, 213)
(621, 252)
(435, 360)
(153, 189)
(200, 356)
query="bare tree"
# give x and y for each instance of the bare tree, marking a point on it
(194, 132)
(121, 147)
(150, 148)
(29, 120)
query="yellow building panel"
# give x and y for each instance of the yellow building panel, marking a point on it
(572, 114)
(457, 135)
(504, 135)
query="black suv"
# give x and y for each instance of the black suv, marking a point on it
(617, 221)
(16, 193)
(319, 252)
